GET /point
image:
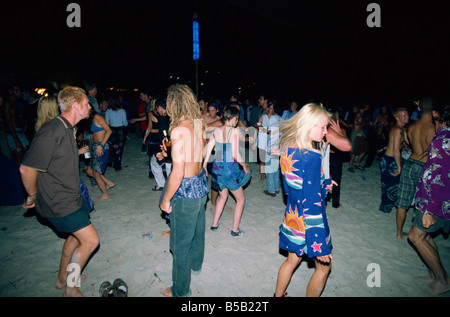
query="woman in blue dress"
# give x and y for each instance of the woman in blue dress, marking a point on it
(304, 230)
(225, 169)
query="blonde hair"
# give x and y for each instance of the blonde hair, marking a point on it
(68, 96)
(296, 129)
(182, 103)
(47, 110)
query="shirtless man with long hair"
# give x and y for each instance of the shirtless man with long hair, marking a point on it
(187, 188)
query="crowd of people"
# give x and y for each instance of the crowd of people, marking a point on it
(300, 151)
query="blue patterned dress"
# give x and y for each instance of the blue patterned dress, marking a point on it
(225, 169)
(305, 227)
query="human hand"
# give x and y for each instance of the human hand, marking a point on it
(397, 171)
(84, 149)
(30, 202)
(99, 150)
(166, 207)
(325, 258)
(428, 220)
(330, 186)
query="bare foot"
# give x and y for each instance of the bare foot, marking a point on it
(167, 292)
(228, 209)
(72, 292)
(110, 185)
(436, 288)
(102, 197)
(401, 234)
(165, 234)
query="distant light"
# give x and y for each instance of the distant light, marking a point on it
(40, 91)
(195, 41)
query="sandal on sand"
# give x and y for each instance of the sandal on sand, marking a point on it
(239, 233)
(284, 295)
(269, 194)
(121, 287)
(107, 290)
(214, 228)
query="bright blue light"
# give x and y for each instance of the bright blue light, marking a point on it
(195, 41)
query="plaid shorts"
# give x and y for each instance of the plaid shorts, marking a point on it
(409, 177)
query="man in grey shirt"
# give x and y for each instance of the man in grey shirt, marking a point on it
(51, 177)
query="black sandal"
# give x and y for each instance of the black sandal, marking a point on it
(107, 290)
(121, 287)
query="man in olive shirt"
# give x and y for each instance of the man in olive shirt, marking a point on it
(51, 177)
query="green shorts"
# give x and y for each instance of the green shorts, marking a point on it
(73, 222)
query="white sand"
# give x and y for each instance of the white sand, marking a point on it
(233, 267)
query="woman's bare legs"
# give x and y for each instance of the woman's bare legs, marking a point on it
(316, 283)
(220, 204)
(285, 273)
(239, 208)
(318, 279)
(102, 182)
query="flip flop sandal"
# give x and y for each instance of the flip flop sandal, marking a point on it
(239, 233)
(107, 290)
(157, 189)
(121, 287)
(214, 228)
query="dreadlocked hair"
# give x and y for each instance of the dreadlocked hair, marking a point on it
(182, 104)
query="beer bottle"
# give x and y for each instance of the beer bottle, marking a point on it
(167, 144)
(87, 155)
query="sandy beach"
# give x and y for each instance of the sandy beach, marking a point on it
(132, 248)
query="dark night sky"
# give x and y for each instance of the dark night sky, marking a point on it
(286, 48)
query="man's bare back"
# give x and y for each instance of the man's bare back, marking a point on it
(420, 134)
(192, 151)
(394, 137)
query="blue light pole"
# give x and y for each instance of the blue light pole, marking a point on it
(195, 49)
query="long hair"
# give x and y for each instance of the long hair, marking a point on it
(296, 129)
(182, 103)
(47, 109)
(114, 103)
